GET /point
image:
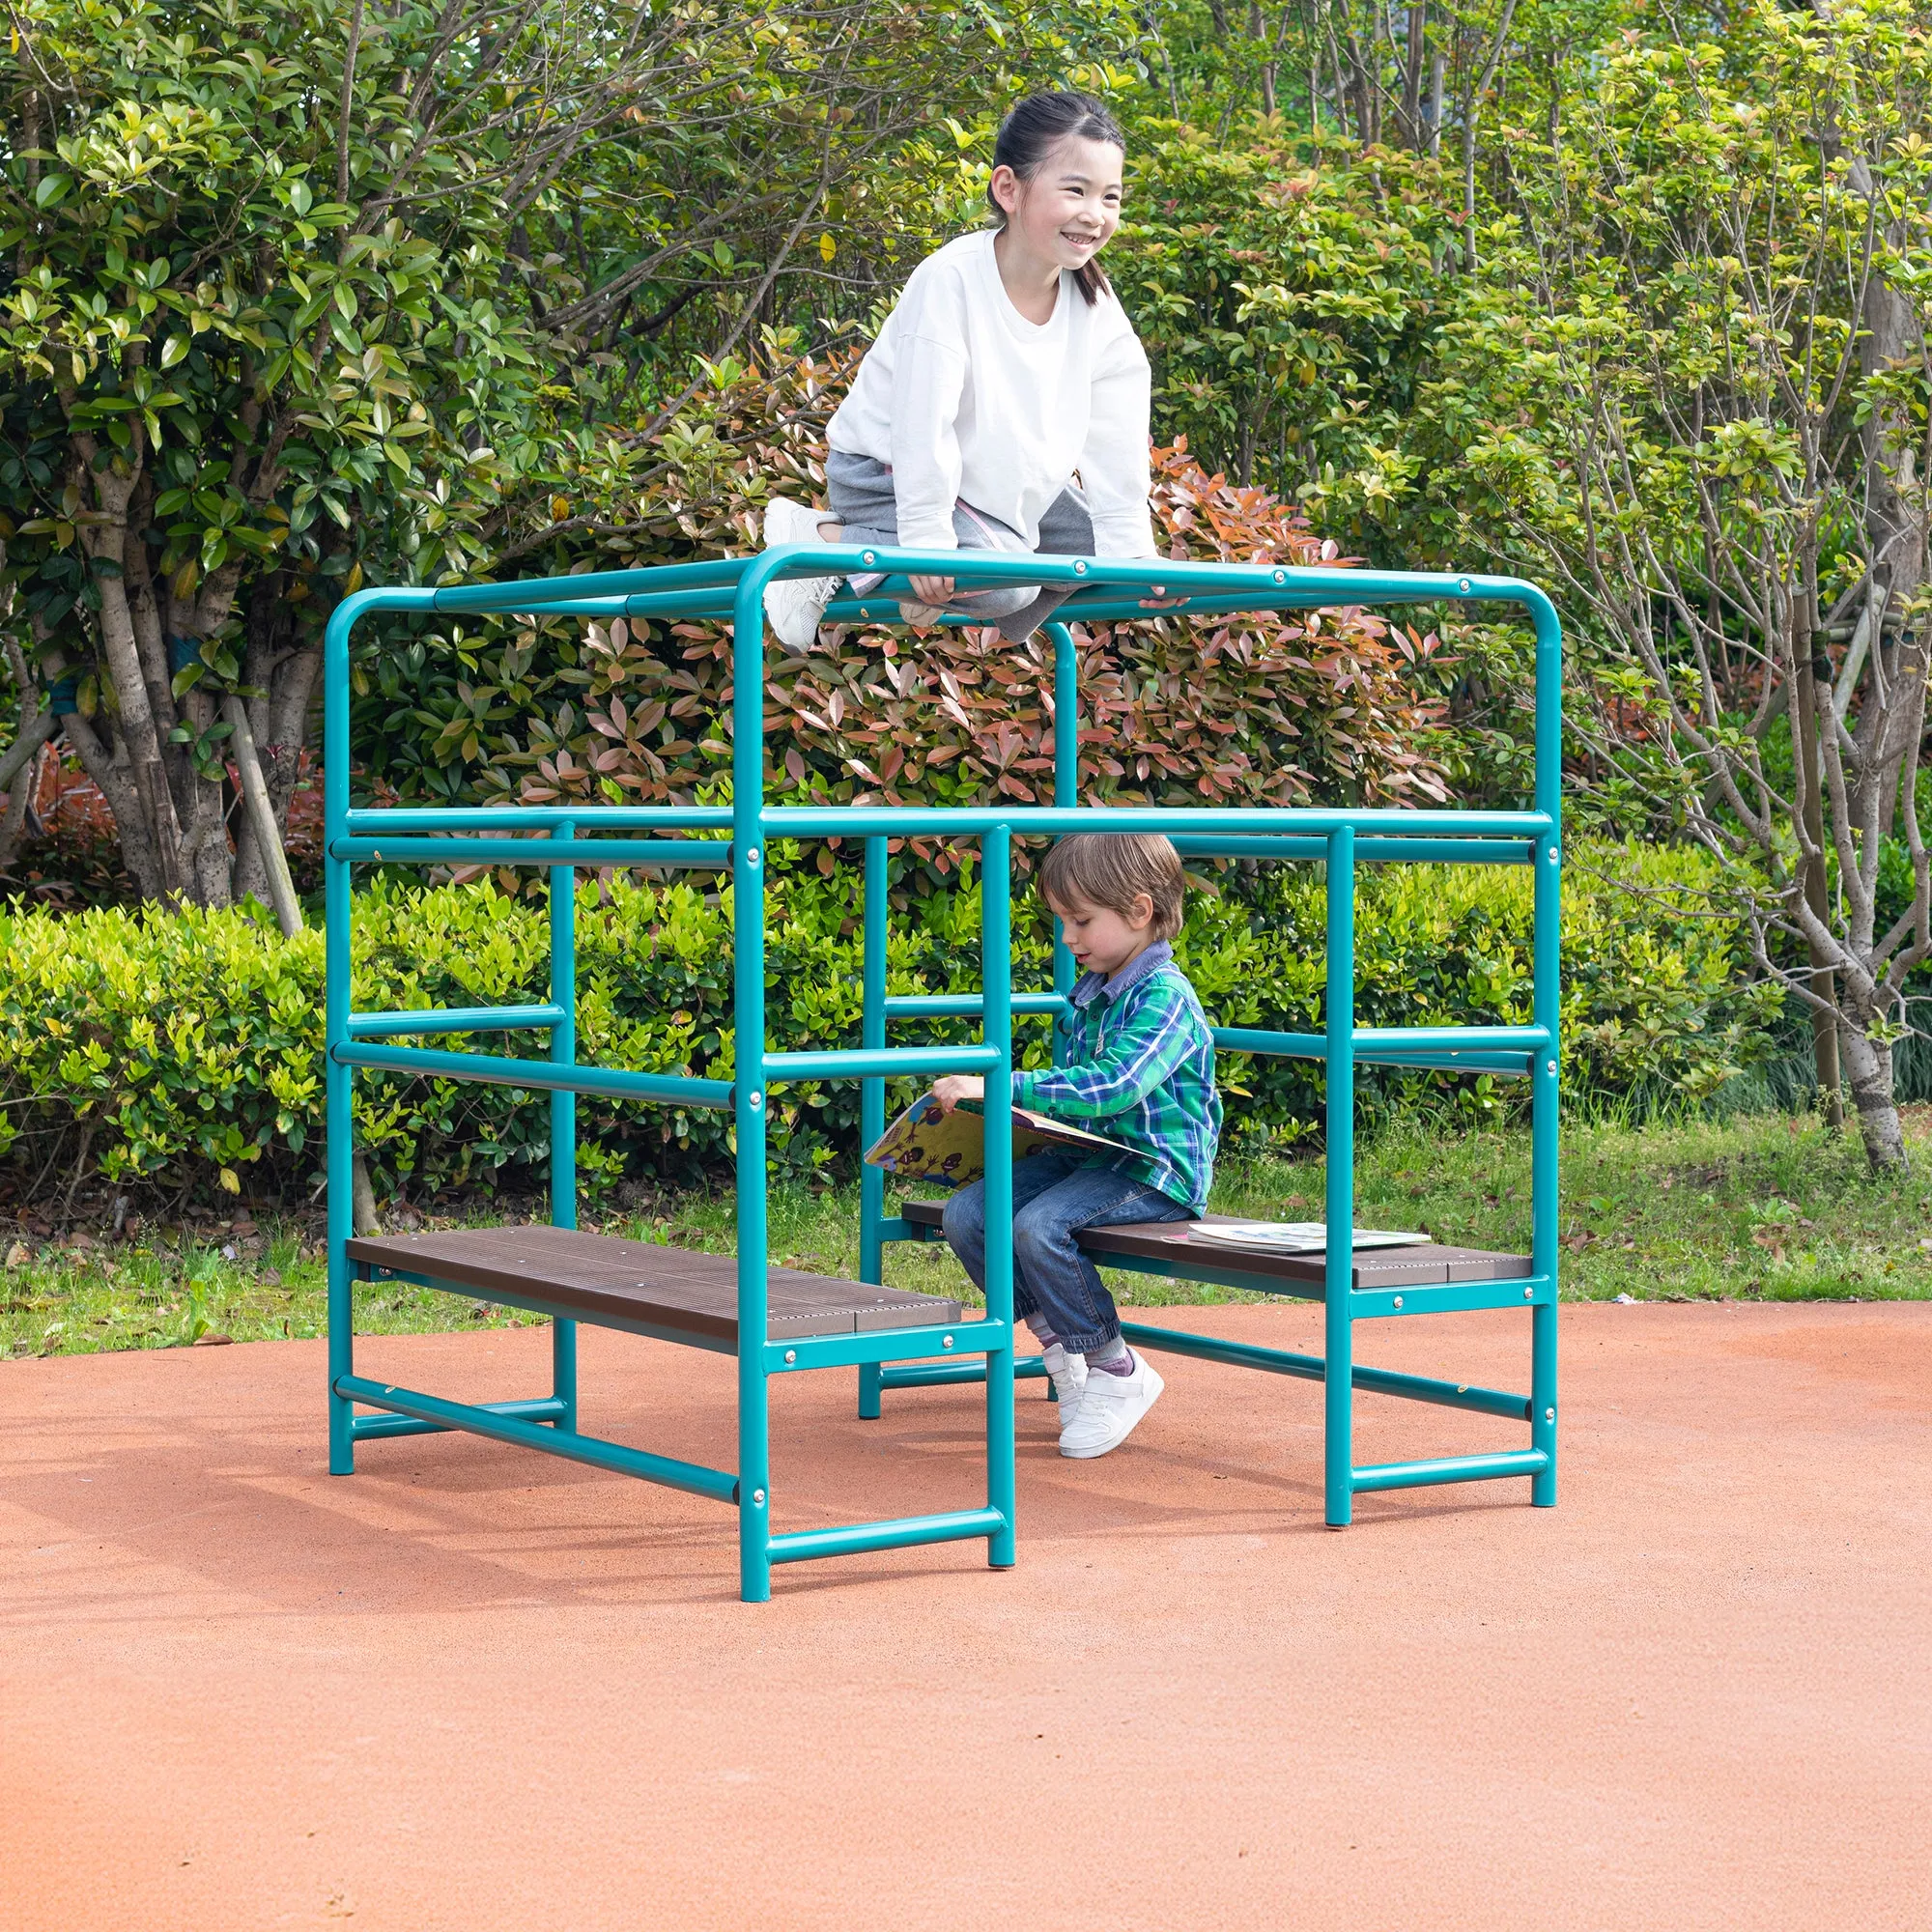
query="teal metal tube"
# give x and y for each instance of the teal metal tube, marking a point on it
(563, 1108)
(364, 1428)
(938, 1339)
(885, 1061)
(694, 1477)
(874, 1010)
(369, 821)
(1315, 1046)
(680, 1089)
(943, 1374)
(1338, 1394)
(996, 886)
(1312, 1368)
(1379, 851)
(748, 1028)
(1544, 1091)
(852, 1539)
(1066, 790)
(451, 1019)
(537, 593)
(867, 821)
(708, 854)
(964, 1006)
(1531, 1462)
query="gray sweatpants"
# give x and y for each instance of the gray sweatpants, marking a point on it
(860, 490)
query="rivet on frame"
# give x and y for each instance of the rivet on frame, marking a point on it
(1462, 584)
(791, 1354)
(946, 1342)
(1398, 1301)
(758, 1101)
(1549, 1416)
(1529, 1294)
(758, 1497)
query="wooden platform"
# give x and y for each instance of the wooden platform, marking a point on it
(1170, 1243)
(674, 1294)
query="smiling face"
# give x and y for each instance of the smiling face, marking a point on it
(1065, 212)
(1100, 939)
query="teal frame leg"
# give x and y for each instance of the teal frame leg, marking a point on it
(748, 984)
(338, 1080)
(1339, 1374)
(563, 1112)
(995, 978)
(1545, 1093)
(872, 1102)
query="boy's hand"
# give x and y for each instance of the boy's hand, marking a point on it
(958, 1086)
(932, 590)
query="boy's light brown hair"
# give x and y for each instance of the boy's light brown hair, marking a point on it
(1112, 870)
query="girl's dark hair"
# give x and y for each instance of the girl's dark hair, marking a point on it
(1029, 134)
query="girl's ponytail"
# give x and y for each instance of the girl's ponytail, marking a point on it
(1028, 135)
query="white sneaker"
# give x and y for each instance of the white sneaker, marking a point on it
(794, 606)
(1068, 1374)
(1111, 1408)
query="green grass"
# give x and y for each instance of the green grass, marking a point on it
(1757, 1207)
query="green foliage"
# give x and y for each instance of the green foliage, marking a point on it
(183, 1051)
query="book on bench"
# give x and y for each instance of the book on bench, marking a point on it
(928, 1144)
(1293, 1238)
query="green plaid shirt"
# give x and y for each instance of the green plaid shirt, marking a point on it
(1138, 1065)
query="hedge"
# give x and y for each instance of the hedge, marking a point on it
(180, 1050)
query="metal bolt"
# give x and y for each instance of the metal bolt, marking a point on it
(1549, 1067)
(1553, 855)
(1529, 1294)
(1462, 584)
(1549, 1416)
(758, 1497)
(752, 856)
(866, 556)
(791, 1354)
(863, 612)
(758, 1101)
(379, 853)
(1281, 577)
(1398, 1301)
(1080, 570)
(946, 1342)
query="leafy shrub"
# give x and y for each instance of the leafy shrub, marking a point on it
(178, 1049)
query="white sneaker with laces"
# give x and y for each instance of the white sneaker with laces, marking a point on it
(794, 606)
(1111, 1408)
(1068, 1374)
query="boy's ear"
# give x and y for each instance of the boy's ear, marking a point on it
(1143, 911)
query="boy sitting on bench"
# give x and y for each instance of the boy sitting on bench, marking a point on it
(1139, 1067)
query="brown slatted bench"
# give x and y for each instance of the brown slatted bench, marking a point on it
(1171, 1245)
(674, 1294)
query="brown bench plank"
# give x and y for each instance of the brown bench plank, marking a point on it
(1170, 1243)
(600, 1278)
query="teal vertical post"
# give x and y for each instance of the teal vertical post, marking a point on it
(563, 1110)
(872, 1103)
(748, 1100)
(1544, 1089)
(338, 1081)
(1338, 1377)
(996, 977)
(1066, 781)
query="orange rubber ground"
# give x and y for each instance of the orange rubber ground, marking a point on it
(472, 1688)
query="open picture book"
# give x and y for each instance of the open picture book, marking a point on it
(927, 1143)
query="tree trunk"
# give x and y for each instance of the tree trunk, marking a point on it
(1868, 1061)
(1823, 1020)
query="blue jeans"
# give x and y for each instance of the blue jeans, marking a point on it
(1054, 1195)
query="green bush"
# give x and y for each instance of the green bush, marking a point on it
(183, 1048)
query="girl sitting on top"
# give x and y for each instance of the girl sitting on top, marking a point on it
(1006, 365)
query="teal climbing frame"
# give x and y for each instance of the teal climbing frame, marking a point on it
(735, 838)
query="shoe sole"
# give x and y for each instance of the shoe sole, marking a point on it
(787, 605)
(1108, 1448)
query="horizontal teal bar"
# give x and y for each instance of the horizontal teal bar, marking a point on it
(536, 593)
(896, 1533)
(459, 851)
(1450, 1298)
(872, 1063)
(871, 822)
(1378, 851)
(885, 1344)
(1452, 1038)
(1312, 1368)
(1449, 1469)
(366, 820)
(381, 1427)
(694, 1477)
(965, 1005)
(453, 1020)
(1315, 1046)
(681, 1090)
(942, 1374)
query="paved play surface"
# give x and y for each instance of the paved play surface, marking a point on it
(472, 1688)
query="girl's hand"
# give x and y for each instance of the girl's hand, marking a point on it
(958, 1086)
(935, 591)
(1159, 600)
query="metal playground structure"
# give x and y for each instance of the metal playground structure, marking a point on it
(779, 1321)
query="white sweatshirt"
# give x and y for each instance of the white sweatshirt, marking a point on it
(963, 398)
